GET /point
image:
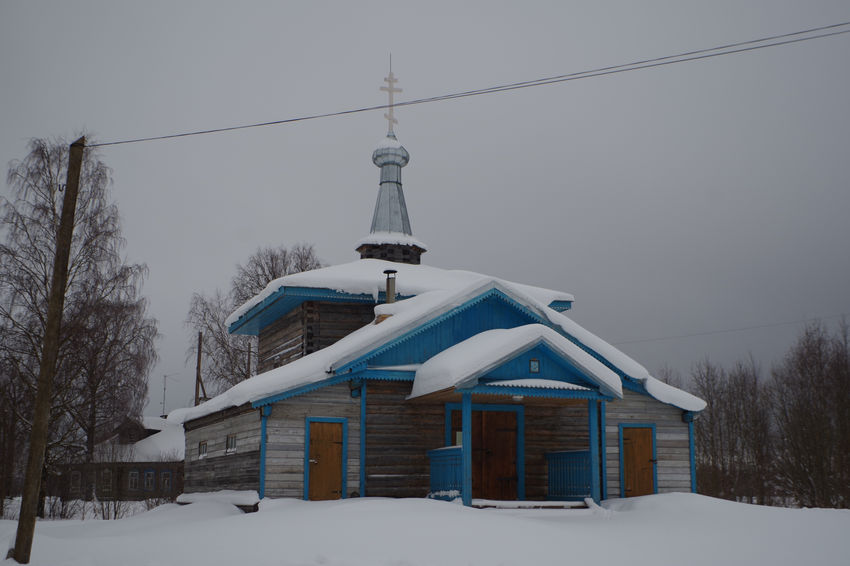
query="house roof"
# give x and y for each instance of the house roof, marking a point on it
(363, 280)
(409, 314)
(461, 365)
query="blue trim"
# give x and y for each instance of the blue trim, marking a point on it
(603, 426)
(300, 390)
(520, 454)
(520, 436)
(264, 416)
(285, 299)
(593, 423)
(344, 422)
(654, 456)
(561, 306)
(483, 388)
(363, 439)
(389, 374)
(466, 427)
(145, 473)
(689, 416)
(488, 294)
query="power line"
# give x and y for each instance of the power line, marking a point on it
(728, 49)
(727, 330)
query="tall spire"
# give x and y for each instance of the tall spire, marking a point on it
(390, 236)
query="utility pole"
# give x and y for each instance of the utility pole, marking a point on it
(199, 383)
(49, 352)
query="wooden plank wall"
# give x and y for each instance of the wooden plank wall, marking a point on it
(285, 438)
(398, 436)
(671, 437)
(219, 470)
(308, 328)
(551, 428)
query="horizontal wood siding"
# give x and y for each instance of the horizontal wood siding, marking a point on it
(398, 436)
(671, 438)
(285, 438)
(551, 428)
(239, 469)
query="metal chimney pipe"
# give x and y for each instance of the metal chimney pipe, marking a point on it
(390, 273)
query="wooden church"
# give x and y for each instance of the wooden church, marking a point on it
(384, 377)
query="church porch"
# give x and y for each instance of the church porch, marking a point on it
(526, 445)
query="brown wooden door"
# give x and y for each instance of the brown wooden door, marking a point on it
(494, 453)
(498, 468)
(325, 461)
(638, 464)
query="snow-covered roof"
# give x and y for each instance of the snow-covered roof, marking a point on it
(169, 443)
(437, 292)
(462, 364)
(366, 277)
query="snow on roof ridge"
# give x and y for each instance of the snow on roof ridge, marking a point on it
(408, 314)
(462, 364)
(366, 276)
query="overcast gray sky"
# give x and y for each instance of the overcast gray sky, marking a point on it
(672, 201)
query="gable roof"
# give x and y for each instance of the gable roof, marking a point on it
(363, 280)
(410, 314)
(461, 365)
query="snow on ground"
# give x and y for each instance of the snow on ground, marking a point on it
(664, 529)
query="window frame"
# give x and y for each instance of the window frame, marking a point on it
(133, 480)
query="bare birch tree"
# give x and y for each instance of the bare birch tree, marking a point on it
(97, 276)
(225, 356)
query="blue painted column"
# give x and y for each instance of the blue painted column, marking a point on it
(363, 439)
(466, 462)
(603, 453)
(265, 411)
(593, 424)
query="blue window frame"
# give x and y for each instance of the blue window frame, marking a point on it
(150, 480)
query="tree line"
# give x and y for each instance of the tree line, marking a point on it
(782, 438)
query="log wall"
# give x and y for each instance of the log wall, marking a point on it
(671, 441)
(308, 328)
(239, 469)
(398, 436)
(285, 441)
(551, 428)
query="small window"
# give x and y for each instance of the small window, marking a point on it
(231, 443)
(150, 480)
(76, 479)
(165, 482)
(202, 449)
(534, 365)
(133, 480)
(106, 481)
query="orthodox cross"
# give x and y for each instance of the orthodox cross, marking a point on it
(390, 90)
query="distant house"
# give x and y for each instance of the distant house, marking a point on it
(384, 377)
(142, 460)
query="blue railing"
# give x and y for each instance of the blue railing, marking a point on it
(446, 477)
(569, 475)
